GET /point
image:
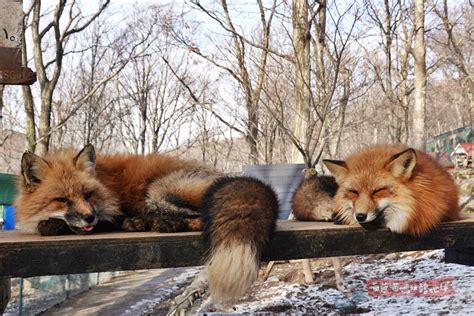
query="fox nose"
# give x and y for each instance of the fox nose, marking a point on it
(361, 217)
(89, 218)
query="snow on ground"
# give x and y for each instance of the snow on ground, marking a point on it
(151, 292)
(279, 296)
(133, 293)
(163, 292)
(284, 292)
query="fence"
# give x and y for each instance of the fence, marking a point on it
(34, 295)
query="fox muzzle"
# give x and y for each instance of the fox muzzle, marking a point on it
(371, 220)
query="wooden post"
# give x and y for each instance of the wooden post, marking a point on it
(464, 256)
(5, 292)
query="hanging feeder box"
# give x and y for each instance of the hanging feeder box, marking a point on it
(11, 29)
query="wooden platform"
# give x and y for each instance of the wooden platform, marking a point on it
(23, 255)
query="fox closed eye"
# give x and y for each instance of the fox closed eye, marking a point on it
(61, 200)
(88, 195)
(381, 192)
(352, 194)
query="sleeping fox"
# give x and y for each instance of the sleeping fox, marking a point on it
(312, 200)
(393, 186)
(66, 192)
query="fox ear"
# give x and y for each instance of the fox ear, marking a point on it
(402, 164)
(338, 168)
(85, 159)
(32, 169)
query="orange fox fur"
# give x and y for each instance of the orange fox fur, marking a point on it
(108, 186)
(67, 191)
(393, 186)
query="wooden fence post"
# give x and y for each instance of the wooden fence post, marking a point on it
(5, 291)
(464, 256)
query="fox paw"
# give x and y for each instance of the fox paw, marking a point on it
(194, 224)
(168, 225)
(53, 227)
(134, 224)
(170, 206)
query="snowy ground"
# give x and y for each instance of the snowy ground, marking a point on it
(284, 293)
(281, 296)
(151, 292)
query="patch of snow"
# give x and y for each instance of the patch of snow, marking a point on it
(316, 298)
(164, 291)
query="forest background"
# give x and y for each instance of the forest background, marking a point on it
(239, 82)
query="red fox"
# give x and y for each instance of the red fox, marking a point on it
(312, 200)
(68, 192)
(393, 186)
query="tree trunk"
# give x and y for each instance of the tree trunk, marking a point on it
(418, 127)
(44, 136)
(143, 122)
(301, 44)
(343, 106)
(28, 102)
(30, 118)
(2, 89)
(252, 132)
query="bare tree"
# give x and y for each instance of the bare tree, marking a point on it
(419, 52)
(250, 88)
(329, 58)
(456, 47)
(2, 104)
(52, 33)
(301, 44)
(49, 71)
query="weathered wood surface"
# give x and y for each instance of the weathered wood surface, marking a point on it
(31, 255)
(20, 76)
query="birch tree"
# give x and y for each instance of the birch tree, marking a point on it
(301, 44)
(419, 52)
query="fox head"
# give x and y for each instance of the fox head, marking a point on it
(63, 185)
(373, 188)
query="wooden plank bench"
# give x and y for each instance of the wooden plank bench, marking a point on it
(27, 255)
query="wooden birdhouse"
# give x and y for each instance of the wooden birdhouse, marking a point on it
(11, 34)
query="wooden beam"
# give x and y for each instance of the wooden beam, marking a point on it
(20, 76)
(23, 255)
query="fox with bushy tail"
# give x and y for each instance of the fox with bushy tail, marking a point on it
(242, 213)
(67, 192)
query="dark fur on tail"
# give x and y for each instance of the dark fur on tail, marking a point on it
(312, 200)
(241, 215)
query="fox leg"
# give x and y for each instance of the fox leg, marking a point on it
(173, 202)
(180, 193)
(336, 262)
(142, 223)
(53, 227)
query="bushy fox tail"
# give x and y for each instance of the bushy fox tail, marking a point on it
(241, 214)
